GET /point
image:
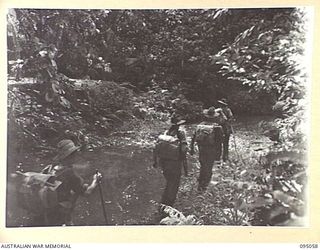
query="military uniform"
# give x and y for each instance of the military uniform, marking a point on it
(71, 188)
(171, 168)
(208, 154)
(172, 171)
(227, 129)
(72, 185)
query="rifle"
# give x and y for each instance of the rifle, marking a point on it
(102, 199)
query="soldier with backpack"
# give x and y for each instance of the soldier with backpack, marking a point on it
(227, 128)
(208, 136)
(169, 154)
(52, 194)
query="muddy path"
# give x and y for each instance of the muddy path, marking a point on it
(130, 184)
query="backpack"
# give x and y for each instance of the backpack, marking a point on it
(168, 147)
(221, 117)
(38, 192)
(207, 134)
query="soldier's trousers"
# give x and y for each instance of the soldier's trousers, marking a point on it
(227, 130)
(225, 154)
(172, 174)
(207, 156)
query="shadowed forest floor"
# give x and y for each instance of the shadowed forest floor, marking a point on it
(130, 184)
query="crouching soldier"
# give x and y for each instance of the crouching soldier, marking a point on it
(208, 136)
(169, 154)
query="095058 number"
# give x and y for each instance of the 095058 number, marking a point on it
(308, 245)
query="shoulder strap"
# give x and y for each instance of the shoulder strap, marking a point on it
(181, 136)
(47, 169)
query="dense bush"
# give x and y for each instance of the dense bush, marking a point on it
(269, 58)
(142, 46)
(244, 102)
(40, 124)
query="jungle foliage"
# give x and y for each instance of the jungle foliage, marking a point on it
(176, 49)
(150, 63)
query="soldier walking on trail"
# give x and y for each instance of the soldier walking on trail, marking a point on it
(169, 154)
(72, 184)
(208, 136)
(227, 129)
(60, 186)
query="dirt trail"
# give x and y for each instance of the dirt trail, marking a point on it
(130, 183)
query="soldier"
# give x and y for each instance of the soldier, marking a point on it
(208, 137)
(72, 185)
(170, 156)
(226, 126)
